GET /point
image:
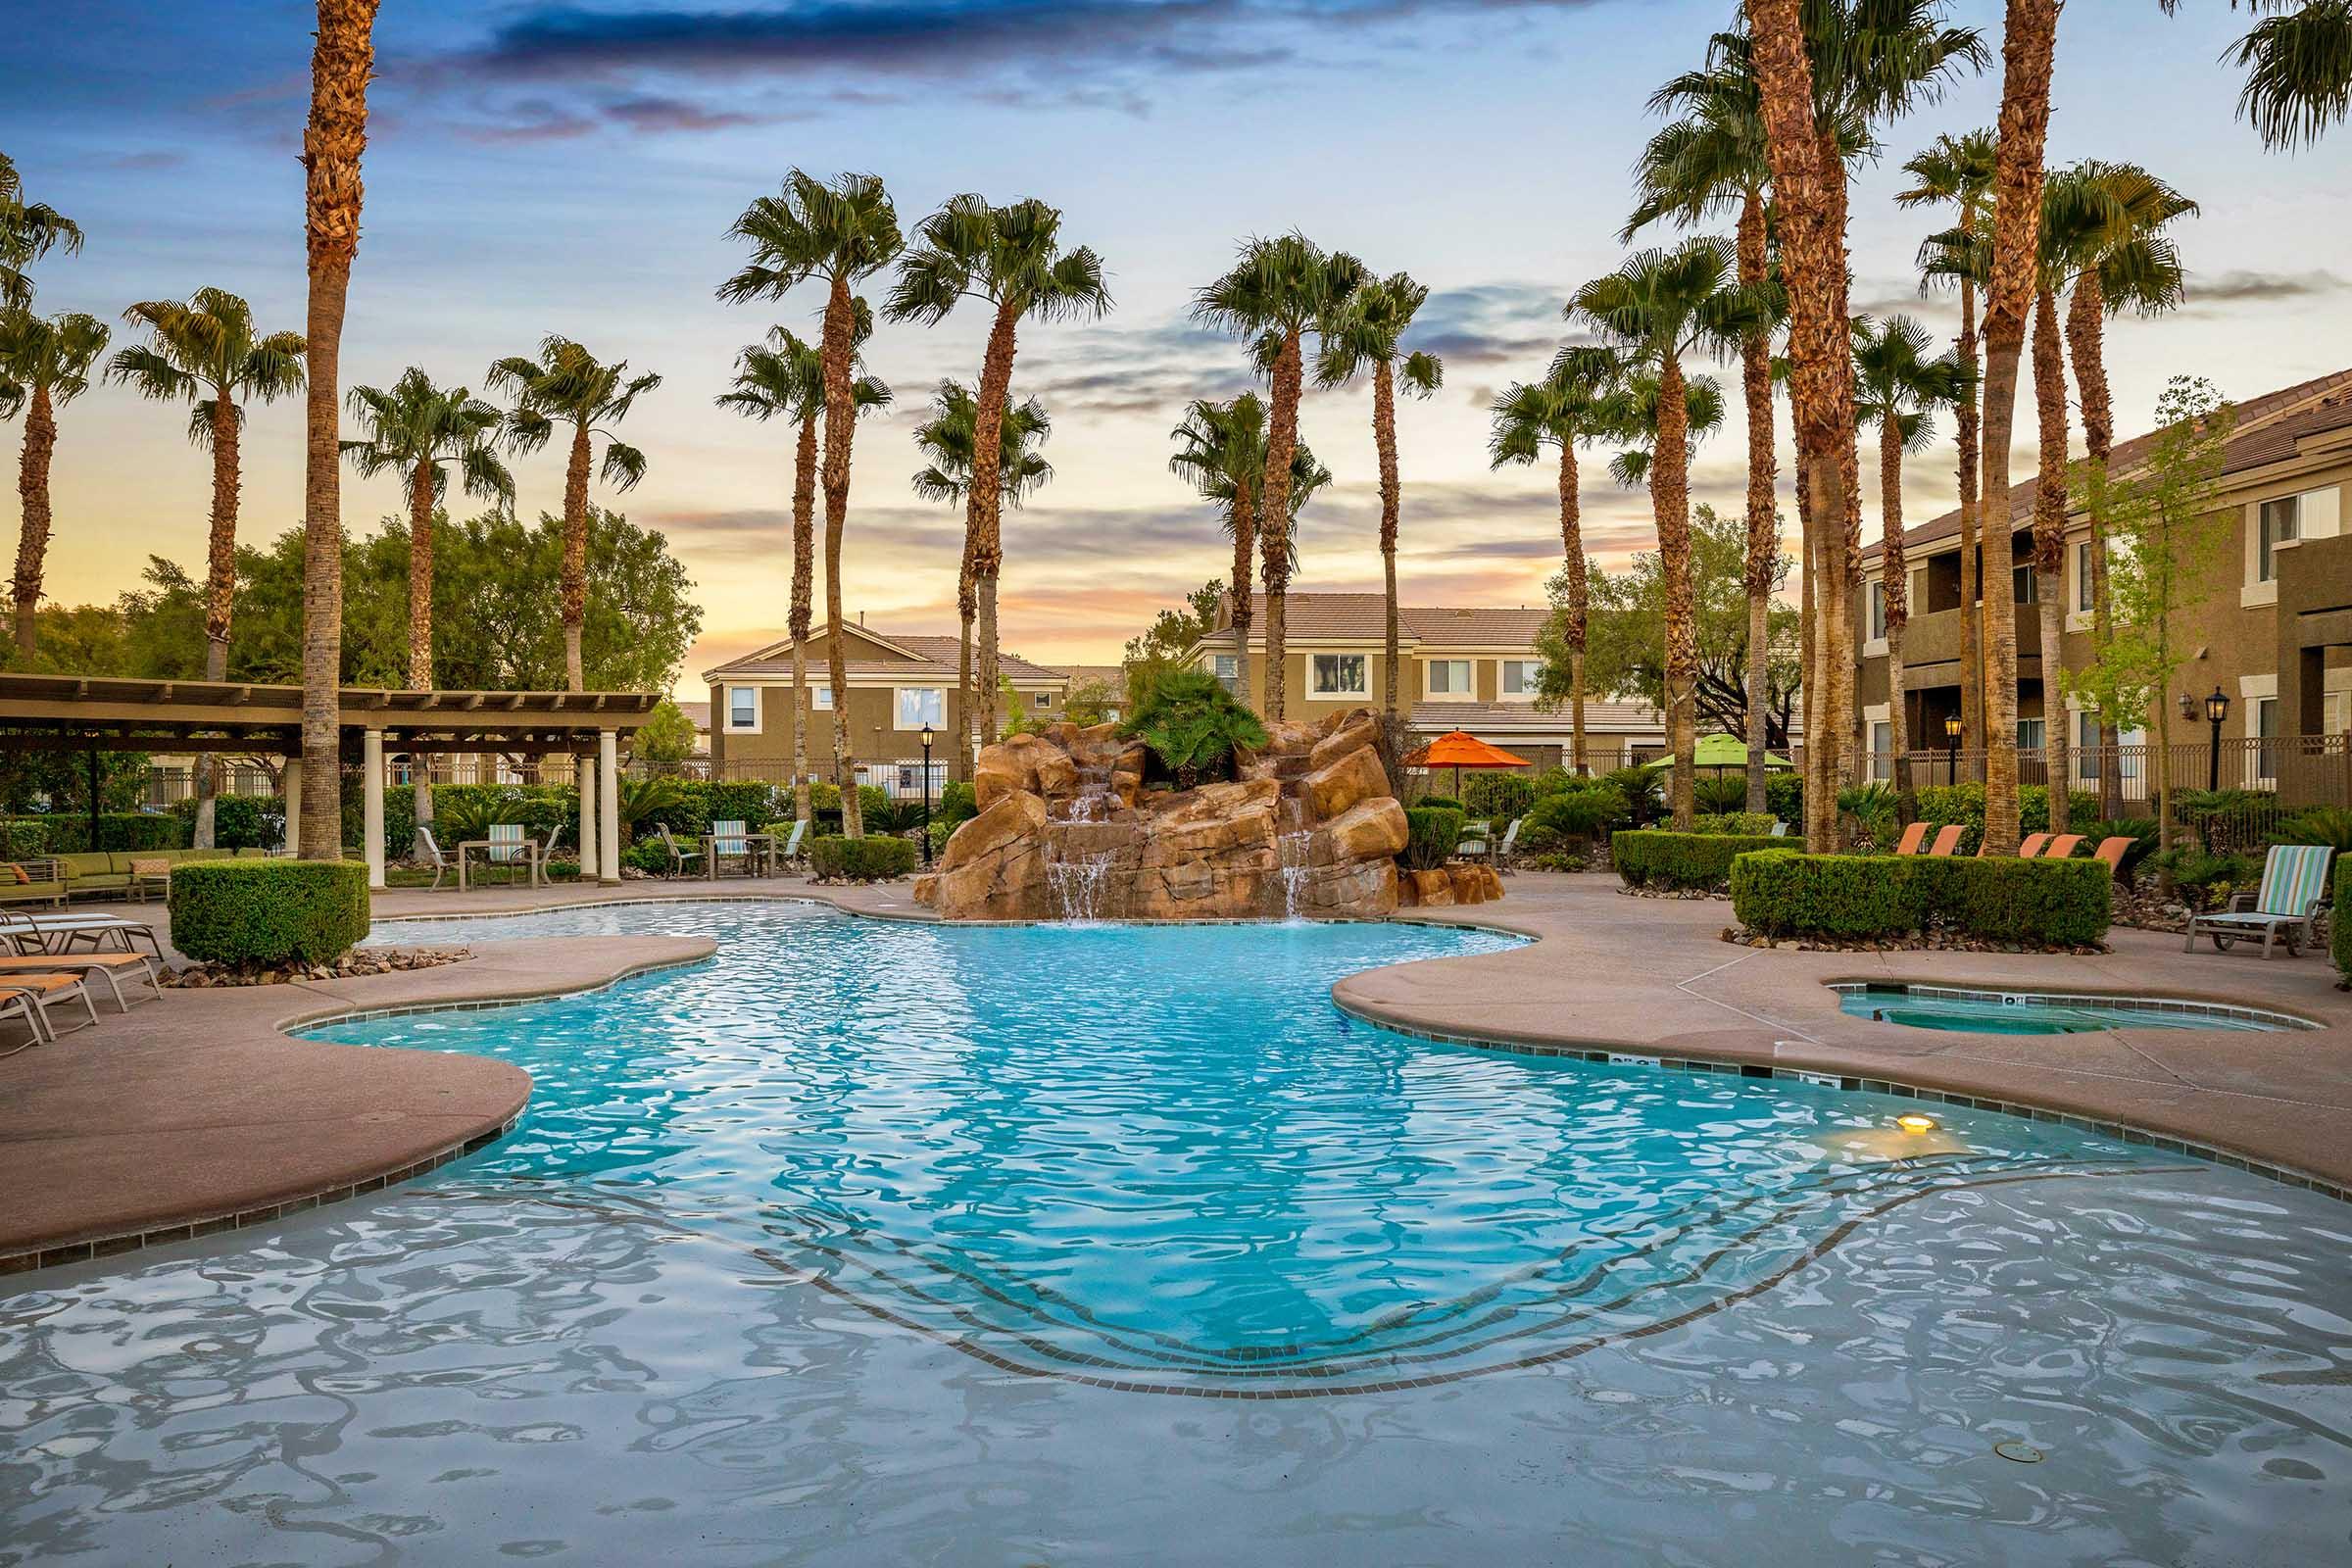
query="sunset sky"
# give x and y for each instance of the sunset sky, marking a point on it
(540, 169)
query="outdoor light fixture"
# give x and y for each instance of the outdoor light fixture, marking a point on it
(2189, 706)
(2216, 709)
(2216, 706)
(1951, 749)
(1914, 1122)
(927, 737)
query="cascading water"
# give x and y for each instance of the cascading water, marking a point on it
(1293, 847)
(1076, 885)
(1078, 861)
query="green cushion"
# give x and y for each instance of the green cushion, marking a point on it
(28, 891)
(85, 864)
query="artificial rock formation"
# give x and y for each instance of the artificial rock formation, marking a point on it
(1066, 830)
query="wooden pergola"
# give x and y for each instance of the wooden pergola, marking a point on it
(93, 715)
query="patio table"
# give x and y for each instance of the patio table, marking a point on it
(531, 850)
(760, 849)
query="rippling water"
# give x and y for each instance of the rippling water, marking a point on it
(876, 1242)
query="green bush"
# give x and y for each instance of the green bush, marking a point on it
(955, 803)
(1444, 803)
(66, 833)
(1719, 793)
(866, 860)
(1640, 789)
(1499, 795)
(1877, 810)
(1578, 811)
(1943, 804)
(1192, 725)
(2331, 825)
(268, 911)
(21, 840)
(1652, 857)
(2205, 881)
(1431, 833)
(650, 856)
(2339, 923)
(1782, 892)
(1785, 797)
(2141, 830)
(1754, 824)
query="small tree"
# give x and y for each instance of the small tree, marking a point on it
(668, 735)
(1090, 702)
(2165, 538)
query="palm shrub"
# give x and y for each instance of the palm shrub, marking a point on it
(1431, 833)
(1583, 811)
(1193, 726)
(1719, 793)
(1638, 787)
(638, 801)
(2331, 825)
(1875, 807)
(2141, 830)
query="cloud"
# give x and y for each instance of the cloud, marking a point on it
(1493, 324)
(161, 158)
(2242, 287)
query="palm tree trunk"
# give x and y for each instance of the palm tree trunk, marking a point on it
(2028, 44)
(1274, 515)
(221, 592)
(1670, 501)
(1896, 580)
(984, 502)
(32, 490)
(420, 623)
(1808, 622)
(803, 574)
(1384, 443)
(575, 556)
(1245, 544)
(2049, 550)
(2086, 336)
(1580, 602)
(1845, 668)
(840, 424)
(1763, 517)
(1972, 651)
(968, 609)
(342, 57)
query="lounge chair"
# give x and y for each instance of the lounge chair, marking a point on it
(39, 991)
(679, 859)
(62, 933)
(1913, 837)
(106, 966)
(1947, 841)
(2112, 850)
(1477, 841)
(791, 854)
(2063, 847)
(2285, 908)
(1509, 846)
(2031, 849)
(730, 841)
(1780, 829)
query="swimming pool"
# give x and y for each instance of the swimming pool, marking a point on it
(2035, 1012)
(869, 1242)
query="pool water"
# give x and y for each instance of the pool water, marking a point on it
(880, 1243)
(2038, 1014)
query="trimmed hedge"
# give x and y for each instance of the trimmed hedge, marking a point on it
(1784, 893)
(2339, 920)
(268, 911)
(866, 860)
(1654, 858)
(1432, 834)
(69, 833)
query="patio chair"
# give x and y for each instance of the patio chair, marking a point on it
(2063, 847)
(1509, 846)
(679, 859)
(39, 991)
(510, 848)
(2285, 908)
(2112, 850)
(61, 933)
(2031, 849)
(1913, 837)
(443, 864)
(1948, 842)
(106, 966)
(792, 853)
(1477, 842)
(731, 841)
(1780, 829)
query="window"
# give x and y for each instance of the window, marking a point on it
(2280, 522)
(1450, 677)
(2086, 747)
(1881, 749)
(2082, 578)
(2029, 734)
(1226, 666)
(1522, 677)
(1336, 675)
(1878, 612)
(2021, 578)
(2264, 727)
(820, 696)
(922, 705)
(743, 708)
(1044, 700)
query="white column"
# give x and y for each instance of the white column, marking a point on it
(607, 807)
(587, 775)
(372, 803)
(290, 782)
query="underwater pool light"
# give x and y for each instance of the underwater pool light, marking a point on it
(1914, 1122)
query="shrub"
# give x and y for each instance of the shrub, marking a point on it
(1876, 809)
(650, 856)
(1193, 726)
(2331, 825)
(239, 821)
(1638, 788)
(1497, 794)
(24, 841)
(2340, 924)
(955, 803)
(1652, 857)
(1444, 803)
(2206, 881)
(1431, 834)
(268, 911)
(2141, 830)
(1943, 804)
(866, 860)
(1755, 824)
(1719, 793)
(68, 833)
(1587, 808)
(2037, 902)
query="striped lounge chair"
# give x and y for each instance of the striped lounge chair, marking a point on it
(2285, 908)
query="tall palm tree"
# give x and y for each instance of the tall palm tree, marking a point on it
(342, 58)
(1277, 292)
(1221, 451)
(1009, 258)
(2121, 262)
(28, 231)
(568, 384)
(1897, 388)
(1367, 332)
(1628, 419)
(1957, 171)
(1660, 305)
(1567, 407)
(2298, 64)
(45, 364)
(204, 351)
(785, 376)
(835, 232)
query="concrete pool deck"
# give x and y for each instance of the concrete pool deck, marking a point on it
(198, 1112)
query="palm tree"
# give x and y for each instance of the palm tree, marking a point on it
(1277, 292)
(786, 377)
(1897, 388)
(342, 58)
(1628, 419)
(838, 232)
(566, 383)
(28, 231)
(1010, 258)
(1221, 450)
(1366, 332)
(2298, 66)
(44, 365)
(1957, 171)
(1566, 407)
(1658, 307)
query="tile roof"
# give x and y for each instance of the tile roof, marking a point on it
(2268, 430)
(1114, 676)
(1365, 618)
(1600, 717)
(933, 656)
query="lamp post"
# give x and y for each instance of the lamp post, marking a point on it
(926, 795)
(1951, 749)
(2216, 709)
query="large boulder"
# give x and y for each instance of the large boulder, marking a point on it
(1340, 784)
(1031, 763)
(1369, 830)
(1361, 732)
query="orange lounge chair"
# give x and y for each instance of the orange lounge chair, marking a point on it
(2063, 847)
(2032, 846)
(1913, 836)
(2112, 850)
(110, 967)
(1947, 841)
(37, 991)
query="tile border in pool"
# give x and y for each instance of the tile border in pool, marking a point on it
(2125, 1132)
(2089, 1001)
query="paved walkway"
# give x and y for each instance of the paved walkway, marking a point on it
(199, 1112)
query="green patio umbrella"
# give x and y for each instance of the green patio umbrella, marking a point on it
(1720, 751)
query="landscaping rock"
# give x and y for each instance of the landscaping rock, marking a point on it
(356, 962)
(1353, 776)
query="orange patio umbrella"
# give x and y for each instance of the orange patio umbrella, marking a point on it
(1460, 749)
